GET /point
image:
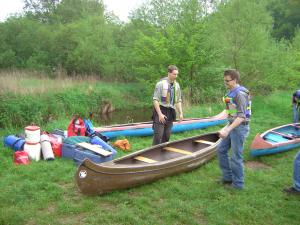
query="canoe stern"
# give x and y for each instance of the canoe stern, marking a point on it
(259, 143)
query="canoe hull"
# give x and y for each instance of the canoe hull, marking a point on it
(276, 140)
(278, 149)
(94, 179)
(149, 131)
(145, 129)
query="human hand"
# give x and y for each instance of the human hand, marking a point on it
(162, 118)
(180, 117)
(224, 132)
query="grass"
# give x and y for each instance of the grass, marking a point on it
(45, 192)
(26, 98)
(22, 82)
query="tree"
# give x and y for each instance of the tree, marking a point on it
(241, 31)
(72, 10)
(286, 17)
(41, 9)
(171, 32)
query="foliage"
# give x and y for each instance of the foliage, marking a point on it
(296, 56)
(201, 37)
(286, 18)
(240, 34)
(18, 110)
(172, 38)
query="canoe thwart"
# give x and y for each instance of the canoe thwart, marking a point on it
(145, 159)
(94, 148)
(204, 142)
(177, 150)
(295, 125)
(281, 134)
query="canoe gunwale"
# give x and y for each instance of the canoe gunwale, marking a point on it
(156, 168)
(115, 168)
(145, 168)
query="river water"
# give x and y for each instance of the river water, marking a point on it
(124, 116)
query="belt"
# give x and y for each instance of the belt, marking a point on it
(243, 123)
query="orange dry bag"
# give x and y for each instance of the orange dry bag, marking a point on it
(122, 144)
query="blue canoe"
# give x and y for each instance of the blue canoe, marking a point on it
(275, 140)
(145, 128)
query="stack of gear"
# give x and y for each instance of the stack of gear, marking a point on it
(32, 142)
(79, 148)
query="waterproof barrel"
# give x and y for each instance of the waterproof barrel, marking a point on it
(32, 134)
(33, 150)
(46, 147)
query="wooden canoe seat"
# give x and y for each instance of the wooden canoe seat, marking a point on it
(145, 159)
(177, 150)
(205, 142)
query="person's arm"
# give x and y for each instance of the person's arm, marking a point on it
(242, 101)
(293, 99)
(178, 105)
(161, 116)
(179, 109)
(156, 98)
(223, 133)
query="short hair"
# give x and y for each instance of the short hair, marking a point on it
(234, 74)
(171, 68)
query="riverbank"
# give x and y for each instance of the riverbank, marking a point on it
(45, 192)
(34, 99)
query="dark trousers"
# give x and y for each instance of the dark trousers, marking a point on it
(162, 132)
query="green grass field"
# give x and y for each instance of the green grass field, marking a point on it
(45, 192)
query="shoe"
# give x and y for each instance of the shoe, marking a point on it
(291, 190)
(232, 187)
(224, 182)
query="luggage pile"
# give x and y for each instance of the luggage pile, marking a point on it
(80, 141)
(35, 145)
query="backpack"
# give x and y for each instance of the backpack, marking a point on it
(89, 128)
(76, 127)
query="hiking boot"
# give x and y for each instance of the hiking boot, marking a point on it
(291, 190)
(224, 182)
(232, 187)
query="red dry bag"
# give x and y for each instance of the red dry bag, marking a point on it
(56, 144)
(76, 127)
(21, 158)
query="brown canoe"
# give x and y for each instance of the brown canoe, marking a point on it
(146, 165)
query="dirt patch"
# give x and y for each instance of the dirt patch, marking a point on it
(255, 165)
(74, 219)
(66, 186)
(48, 210)
(108, 206)
(200, 218)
